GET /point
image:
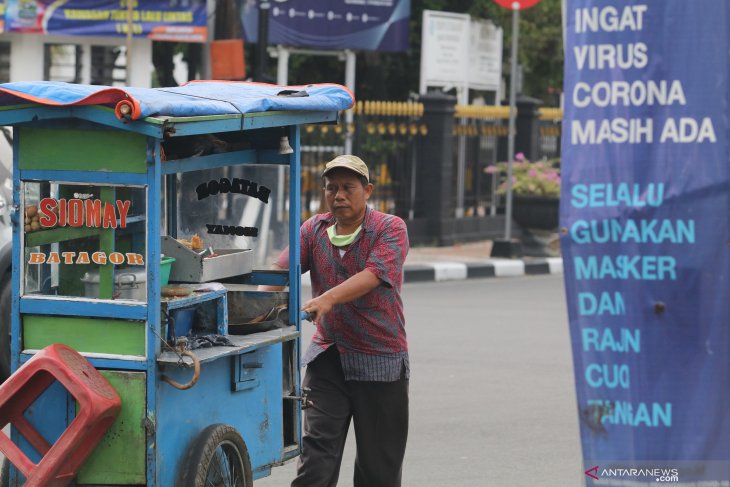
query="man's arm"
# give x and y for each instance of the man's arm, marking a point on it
(356, 286)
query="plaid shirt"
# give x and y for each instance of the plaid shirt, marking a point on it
(369, 332)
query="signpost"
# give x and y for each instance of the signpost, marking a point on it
(444, 50)
(324, 28)
(521, 4)
(458, 52)
(485, 56)
(159, 20)
(331, 25)
(515, 6)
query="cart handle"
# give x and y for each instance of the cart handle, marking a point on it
(196, 374)
(306, 315)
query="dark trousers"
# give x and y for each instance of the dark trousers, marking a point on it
(379, 411)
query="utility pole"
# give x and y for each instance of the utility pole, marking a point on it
(262, 55)
(509, 247)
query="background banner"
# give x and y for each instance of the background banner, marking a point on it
(368, 25)
(644, 216)
(164, 20)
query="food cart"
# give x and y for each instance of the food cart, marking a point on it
(106, 187)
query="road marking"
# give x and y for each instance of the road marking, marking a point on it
(449, 271)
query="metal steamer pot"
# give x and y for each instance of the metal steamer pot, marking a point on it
(128, 284)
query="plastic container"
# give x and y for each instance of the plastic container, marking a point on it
(181, 321)
(128, 284)
(165, 268)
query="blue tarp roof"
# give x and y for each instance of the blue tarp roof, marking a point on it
(196, 98)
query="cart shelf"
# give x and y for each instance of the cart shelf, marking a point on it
(243, 344)
(201, 293)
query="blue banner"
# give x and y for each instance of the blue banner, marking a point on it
(645, 219)
(367, 25)
(164, 20)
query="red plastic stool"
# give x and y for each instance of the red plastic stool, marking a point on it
(98, 407)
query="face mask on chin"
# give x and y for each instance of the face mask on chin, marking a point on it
(341, 240)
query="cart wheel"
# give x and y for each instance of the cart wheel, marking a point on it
(218, 457)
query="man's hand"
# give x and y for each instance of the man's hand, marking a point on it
(358, 285)
(318, 307)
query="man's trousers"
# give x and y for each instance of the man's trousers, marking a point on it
(379, 411)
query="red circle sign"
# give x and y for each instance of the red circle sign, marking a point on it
(517, 4)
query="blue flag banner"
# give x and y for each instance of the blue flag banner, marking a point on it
(368, 25)
(644, 221)
(163, 20)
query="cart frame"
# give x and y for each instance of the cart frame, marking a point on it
(163, 407)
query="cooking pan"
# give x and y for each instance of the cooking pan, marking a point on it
(256, 311)
(276, 317)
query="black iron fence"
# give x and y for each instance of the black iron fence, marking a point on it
(390, 136)
(550, 129)
(477, 132)
(385, 135)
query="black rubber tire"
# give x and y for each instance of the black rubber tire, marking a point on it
(217, 443)
(5, 310)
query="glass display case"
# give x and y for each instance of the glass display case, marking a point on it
(84, 241)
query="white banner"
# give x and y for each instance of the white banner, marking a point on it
(459, 52)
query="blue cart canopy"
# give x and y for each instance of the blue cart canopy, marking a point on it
(196, 98)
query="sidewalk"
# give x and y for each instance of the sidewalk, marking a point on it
(466, 261)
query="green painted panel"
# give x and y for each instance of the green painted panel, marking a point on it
(46, 237)
(93, 335)
(82, 150)
(119, 459)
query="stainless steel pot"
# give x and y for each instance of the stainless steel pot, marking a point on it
(128, 284)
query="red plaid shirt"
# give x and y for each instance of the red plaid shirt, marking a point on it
(369, 332)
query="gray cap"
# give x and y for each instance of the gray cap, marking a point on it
(348, 161)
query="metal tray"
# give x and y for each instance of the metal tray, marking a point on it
(189, 266)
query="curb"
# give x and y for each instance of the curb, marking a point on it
(454, 271)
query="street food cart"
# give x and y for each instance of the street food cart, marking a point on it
(106, 187)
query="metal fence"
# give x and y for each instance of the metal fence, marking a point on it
(478, 132)
(550, 129)
(387, 134)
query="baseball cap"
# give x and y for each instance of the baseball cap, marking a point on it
(348, 161)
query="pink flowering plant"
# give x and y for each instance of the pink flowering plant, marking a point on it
(540, 178)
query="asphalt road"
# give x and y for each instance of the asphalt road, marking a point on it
(492, 393)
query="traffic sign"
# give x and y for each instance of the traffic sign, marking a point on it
(517, 4)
